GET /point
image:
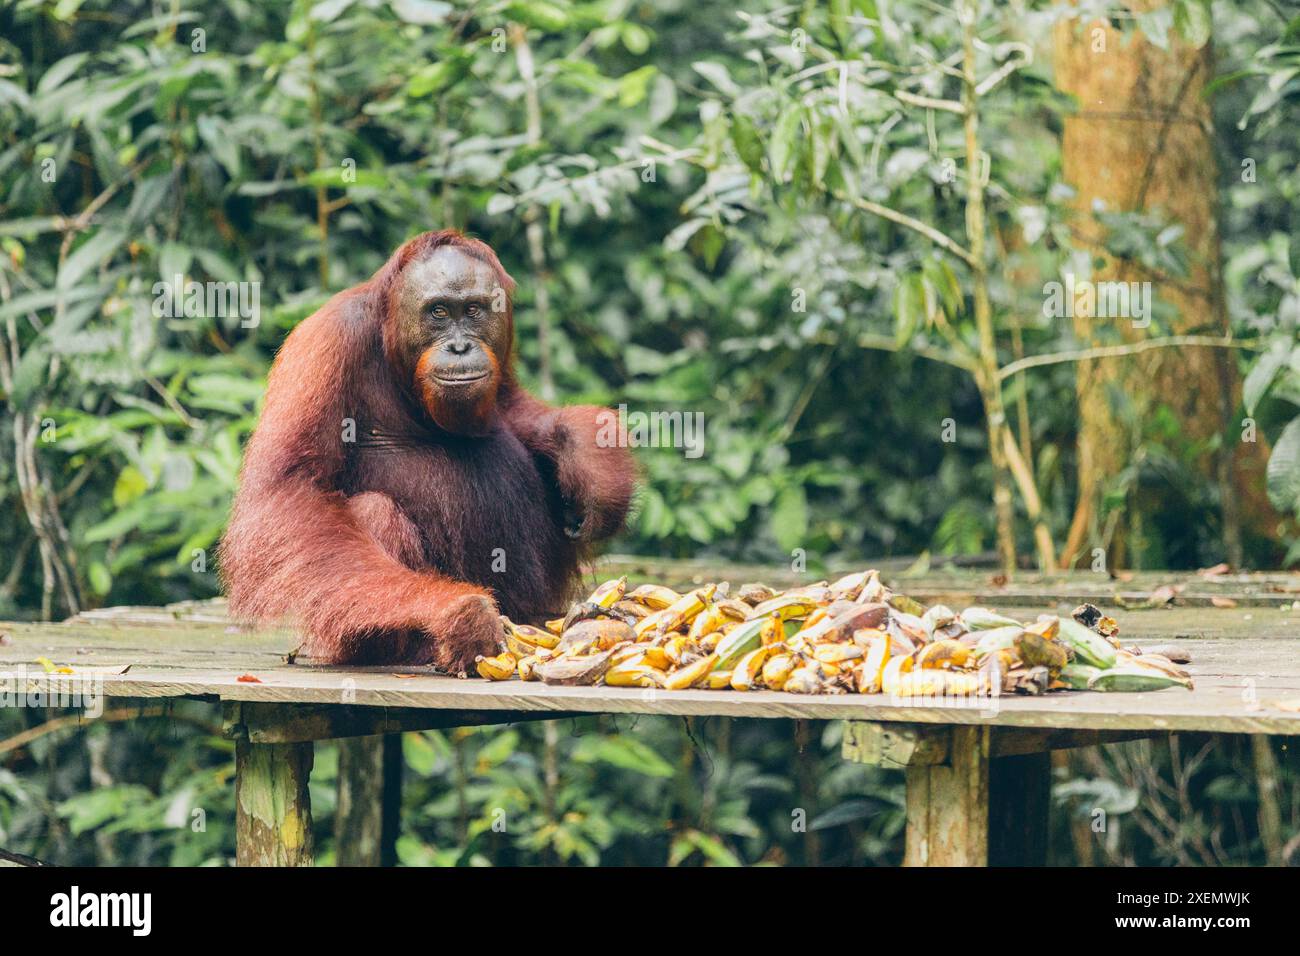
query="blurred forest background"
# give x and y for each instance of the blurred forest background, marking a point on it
(827, 226)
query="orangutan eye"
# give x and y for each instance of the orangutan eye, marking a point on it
(438, 310)
(473, 310)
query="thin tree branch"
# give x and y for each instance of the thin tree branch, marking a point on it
(1132, 348)
(885, 343)
(1006, 69)
(893, 215)
(929, 102)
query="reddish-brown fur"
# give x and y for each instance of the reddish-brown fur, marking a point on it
(384, 548)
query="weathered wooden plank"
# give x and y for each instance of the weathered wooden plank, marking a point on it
(1212, 707)
(1246, 664)
(1216, 705)
(899, 745)
(265, 722)
(1020, 741)
(273, 824)
(948, 804)
(894, 746)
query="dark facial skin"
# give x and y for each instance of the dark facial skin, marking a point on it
(451, 339)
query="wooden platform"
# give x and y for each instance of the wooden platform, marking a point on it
(1246, 664)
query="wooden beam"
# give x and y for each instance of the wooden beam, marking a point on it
(1019, 741)
(273, 723)
(948, 804)
(273, 824)
(977, 794)
(896, 745)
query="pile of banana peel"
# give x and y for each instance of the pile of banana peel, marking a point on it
(853, 635)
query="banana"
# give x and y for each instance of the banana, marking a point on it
(872, 669)
(733, 609)
(983, 619)
(997, 639)
(792, 605)
(1131, 678)
(836, 653)
(648, 626)
(933, 683)
(748, 672)
(691, 674)
(855, 634)
(777, 669)
(1047, 627)
(632, 609)
(1037, 651)
(538, 637)
(654, 596)
(609, 593)
(841, 626)
(600, 635)
(866, 636)
(804, 680)
(944, 655)
(578, 670)
(519, 647)
(773, 631)
(850, 586)
(525, 667)
(744, 639)
(1150, 661)
(894, 670)
(656, 657)
(501, 667)
(1089, 647)
(634, 675)
(901, 602)
(683, 611)
(706, 622)
(755, 594)
(1077, 676)
(626, 654)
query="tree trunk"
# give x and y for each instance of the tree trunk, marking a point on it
(1142, 139)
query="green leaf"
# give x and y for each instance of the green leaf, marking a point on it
(101, 579)
(790, 518)
(749, 146)
(626, 753)
(88, 255)
(87, 811)
(1283, 476)
(422, 12)
(1193, 21)
(130, 485)
(717, 75)
(1155, 24)
(632, 86)
(1260, 378)
(909, 308)
(785, 139)
(540, 14)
